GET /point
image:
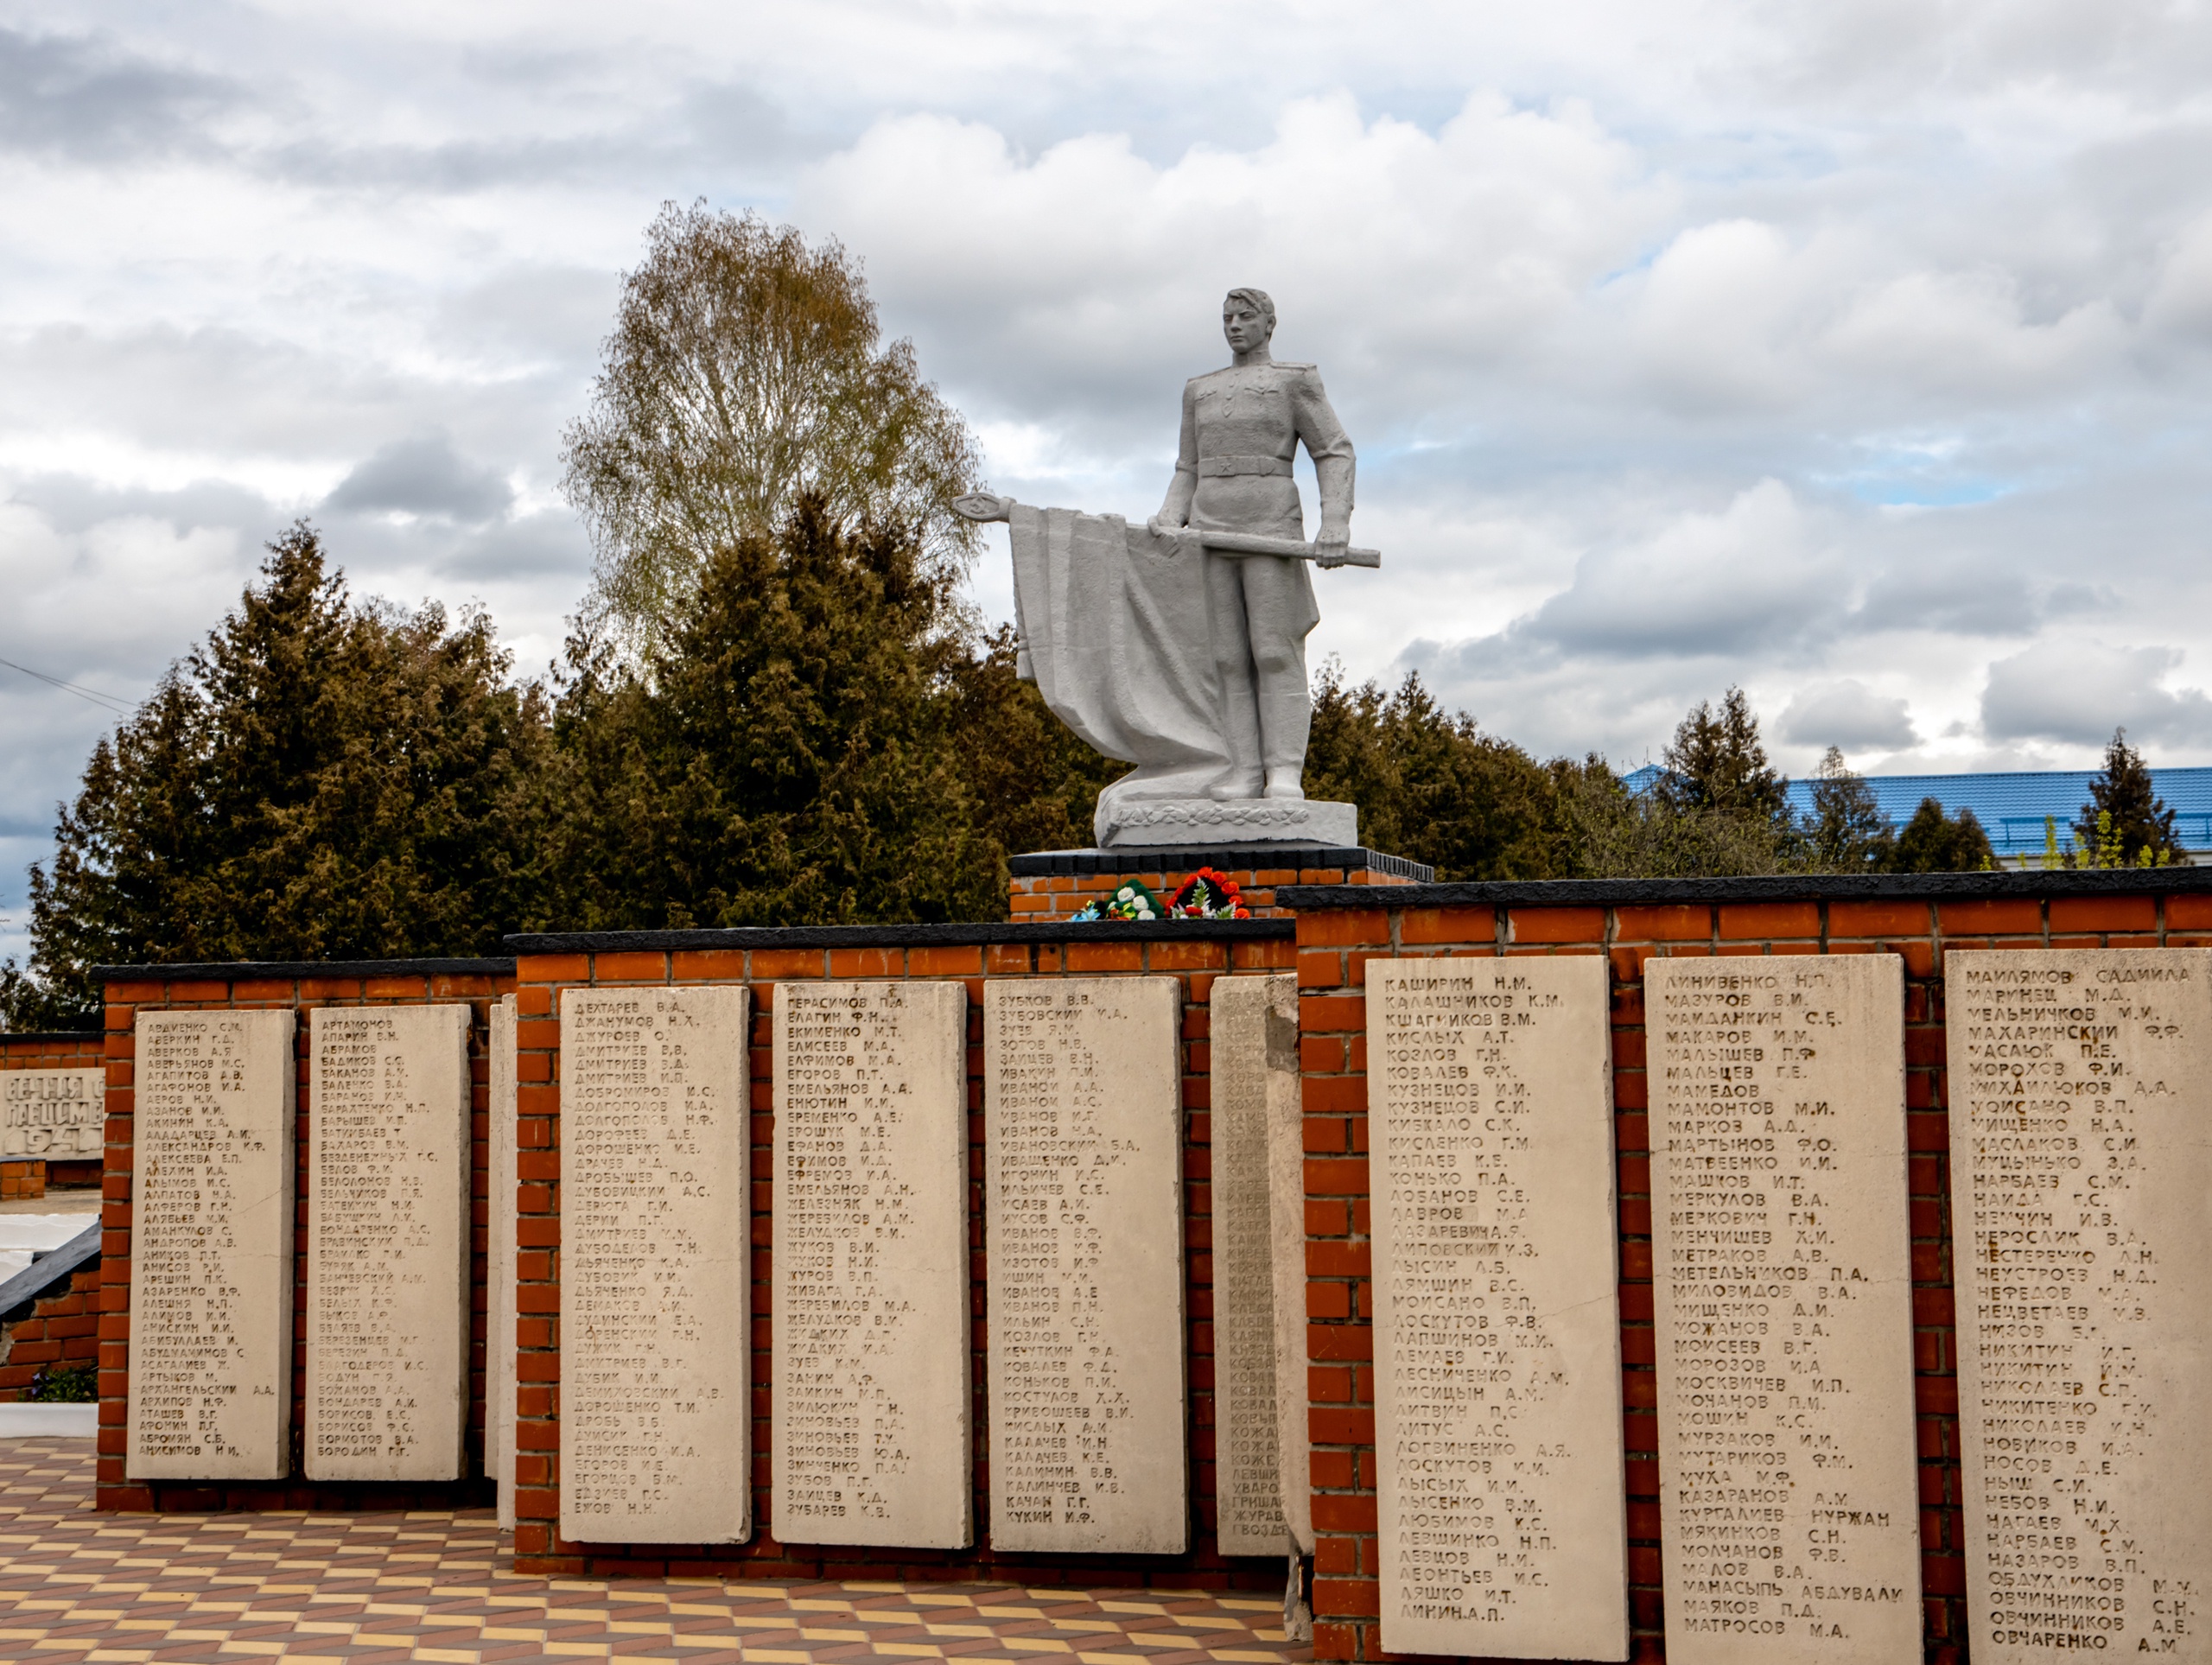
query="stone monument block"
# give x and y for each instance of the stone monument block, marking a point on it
(388, 1229)
(1083, 1182)
(2081, 1107)
(655, 1265)
(1782, 1282)
(1263, 1491)
(499, 1267)
(1497, 1367)
(211, 1247)
(58, 1116)
(872, 1399)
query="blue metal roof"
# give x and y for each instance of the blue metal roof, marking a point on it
(2012, 806)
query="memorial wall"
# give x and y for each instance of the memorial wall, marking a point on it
(274, 1267)
(388, 1242)
(655, 1415)
(871, 1410)
(1782, 1297)
(1503, 1525)
(2082, 1248)
(1677, 1262)
(1082, 1190)
(53, 1114)
(211, 1328)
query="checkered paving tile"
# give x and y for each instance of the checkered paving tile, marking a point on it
(367, 1589)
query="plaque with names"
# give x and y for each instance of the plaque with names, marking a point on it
(656, 1266)
(499, 1266)
(1781, 1287)
(2081, 1118)
(388, 1217)
(871, 1405)
(57, 1116)
(1497, 1363)
(211, 1247)
(1252, 1052)
(1084, 1212)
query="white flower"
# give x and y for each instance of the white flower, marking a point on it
(1124, 893)
(1143, 913)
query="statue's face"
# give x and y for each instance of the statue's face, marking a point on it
(1245, 326)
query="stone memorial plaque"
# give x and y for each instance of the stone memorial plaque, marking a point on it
(2081, 1110)
(58, 1116)
(211, 1247)
(1782, 1284)
(1497, 1367)
(499, 1267)
(1253, 1068)
(655, 1265)
(871, 1407)
(388, 1228)
(1083, 1211)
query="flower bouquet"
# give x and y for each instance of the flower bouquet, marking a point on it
(1208, 894)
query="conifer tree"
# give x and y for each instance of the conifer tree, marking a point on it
(1934, 842)
(2140, 823)
(1847, 831)
(1716, 761)
(321, 778)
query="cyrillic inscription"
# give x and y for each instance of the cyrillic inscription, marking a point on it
(2080, 1103)
(1083, 1183)
(1497, 1371)
(211, 1247)
(56, 1114)
(1253, 1048)
(871, 1406)
(388, 1214)
(654, 1265)
(1782, 1281)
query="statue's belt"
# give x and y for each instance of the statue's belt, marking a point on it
(1218, 468)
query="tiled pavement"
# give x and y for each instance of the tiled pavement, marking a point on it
(366, 1589)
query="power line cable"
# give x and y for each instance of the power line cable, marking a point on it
(107, 702)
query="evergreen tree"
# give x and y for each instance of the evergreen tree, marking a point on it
(321, 778)
(1847, 831)
(2139, 823)
(786, 755)
(1433, 787)
(1716, 761)
(1932, 843)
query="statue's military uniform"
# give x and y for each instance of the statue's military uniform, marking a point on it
(1240, 428)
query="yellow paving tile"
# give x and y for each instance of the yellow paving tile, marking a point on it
(439, 1586)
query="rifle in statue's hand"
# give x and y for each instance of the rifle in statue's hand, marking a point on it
(982, 505)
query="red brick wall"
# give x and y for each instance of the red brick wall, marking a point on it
(1040, 898)
(1196, 961)
(302, 990)
(64, 1050)
(62, 1329)
(1334, 944)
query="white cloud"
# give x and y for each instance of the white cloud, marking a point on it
(1849, 715)
(2080, 691)
(1686, 342)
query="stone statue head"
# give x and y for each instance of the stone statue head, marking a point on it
(1248, 319)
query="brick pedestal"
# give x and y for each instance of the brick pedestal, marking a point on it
(1053, 885)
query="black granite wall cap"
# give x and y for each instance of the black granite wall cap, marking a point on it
(251, 970)
(1776, 887)
(982, 934)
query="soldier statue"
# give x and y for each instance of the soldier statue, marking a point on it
(1241, 426)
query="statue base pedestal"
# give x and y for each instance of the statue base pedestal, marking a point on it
(1180, 822)
(1051, 884)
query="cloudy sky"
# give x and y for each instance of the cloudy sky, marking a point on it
(1858, 353)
